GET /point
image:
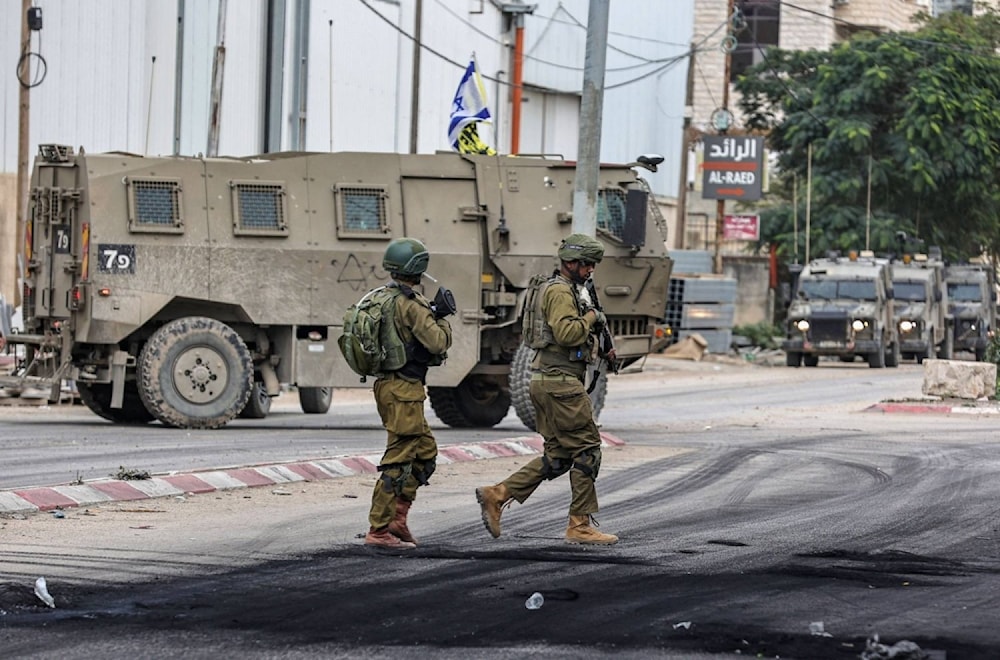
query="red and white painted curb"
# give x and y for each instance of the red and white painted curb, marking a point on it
(113, 490)
(938, 408)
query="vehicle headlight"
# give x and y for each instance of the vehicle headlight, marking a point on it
(802, 325)
(906, 326)
(858, 325)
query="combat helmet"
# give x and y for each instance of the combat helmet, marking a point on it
(580, 247)
(406, 256)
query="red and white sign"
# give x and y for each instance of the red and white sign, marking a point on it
(741, 227)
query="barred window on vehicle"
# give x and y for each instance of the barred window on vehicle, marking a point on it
(362, 211)
(259, 208)
(611, 211)
(154, 205)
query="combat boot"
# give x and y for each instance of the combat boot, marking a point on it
(492, 500)
(398, 527)
(580, 531)
(381, 538)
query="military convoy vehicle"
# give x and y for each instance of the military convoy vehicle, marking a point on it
(842, 306)
(193, 290)
(920, 307)
(972, 305)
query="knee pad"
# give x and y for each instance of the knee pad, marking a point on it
(394, 476)
(555, 467)
(588, 462)
(423, 474)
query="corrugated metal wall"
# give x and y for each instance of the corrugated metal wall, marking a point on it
(101, 83)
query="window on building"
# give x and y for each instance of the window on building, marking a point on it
(763, 20)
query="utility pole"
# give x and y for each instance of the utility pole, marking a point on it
(218, 69)
(10, 271)
(720, 206)
(588, 161)
(418, 21)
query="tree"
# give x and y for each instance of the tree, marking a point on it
(920, 109)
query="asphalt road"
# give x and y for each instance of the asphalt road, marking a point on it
(751, 503)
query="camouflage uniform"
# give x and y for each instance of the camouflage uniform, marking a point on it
(563, 413)
(410, 454)
(560, 327)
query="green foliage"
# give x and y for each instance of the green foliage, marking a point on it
(992, 354)
(760, 334)
(920, 110)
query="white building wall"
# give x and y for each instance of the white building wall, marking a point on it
(103, 92)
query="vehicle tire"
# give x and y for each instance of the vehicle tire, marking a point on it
(892, 356)
(793, 359)
(195, 372)
(97, 397)
(810, 360)
(259, 403)
(479, 401)
(520, 384)
(980, 353)
(927, 354)
(315, 400)
(876, 359)
(947, 349)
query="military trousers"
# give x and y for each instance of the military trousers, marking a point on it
(410, 452)
(565, 419)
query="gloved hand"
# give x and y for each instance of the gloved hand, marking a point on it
(443, 304)
(601, 319)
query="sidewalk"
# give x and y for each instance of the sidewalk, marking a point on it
(33, 500)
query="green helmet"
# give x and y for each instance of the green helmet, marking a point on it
(406, 256)
(580, 247)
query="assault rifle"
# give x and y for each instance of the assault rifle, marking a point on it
(605, 342)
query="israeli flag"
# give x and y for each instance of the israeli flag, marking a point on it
(469, 104)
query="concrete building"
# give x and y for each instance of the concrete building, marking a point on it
(802, 25)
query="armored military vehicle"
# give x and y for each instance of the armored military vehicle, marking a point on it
(842, 306)
(920, 307)
(191, 290)
(972, 305)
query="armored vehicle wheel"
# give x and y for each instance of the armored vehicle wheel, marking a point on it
(947, 348)
(793, 359)
(195, 372)
(259, 403)
(810, 360)
(926, 355)
(892, 355)
(980, 353)
(315, 400)
(479, 401)
(876, 359)
(97, 397)
(520, 384)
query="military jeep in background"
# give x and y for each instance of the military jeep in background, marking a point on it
(920, 307)
(842, 306)
(972, 305)
(191, 290)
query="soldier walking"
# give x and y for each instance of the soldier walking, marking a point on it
(411, 451)
(560, 327)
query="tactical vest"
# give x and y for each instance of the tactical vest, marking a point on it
(537, 334)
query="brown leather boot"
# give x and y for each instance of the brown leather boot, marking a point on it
(492, 500)
(580, 531)
(381, 538)
(398, 526)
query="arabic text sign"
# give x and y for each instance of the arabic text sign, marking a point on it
(732, 167)
(741, 227)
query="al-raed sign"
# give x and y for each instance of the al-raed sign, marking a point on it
(732, 167)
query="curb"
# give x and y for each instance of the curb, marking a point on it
(937, 408)
(47, 498)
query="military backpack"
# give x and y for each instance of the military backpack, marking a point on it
(370, 342)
